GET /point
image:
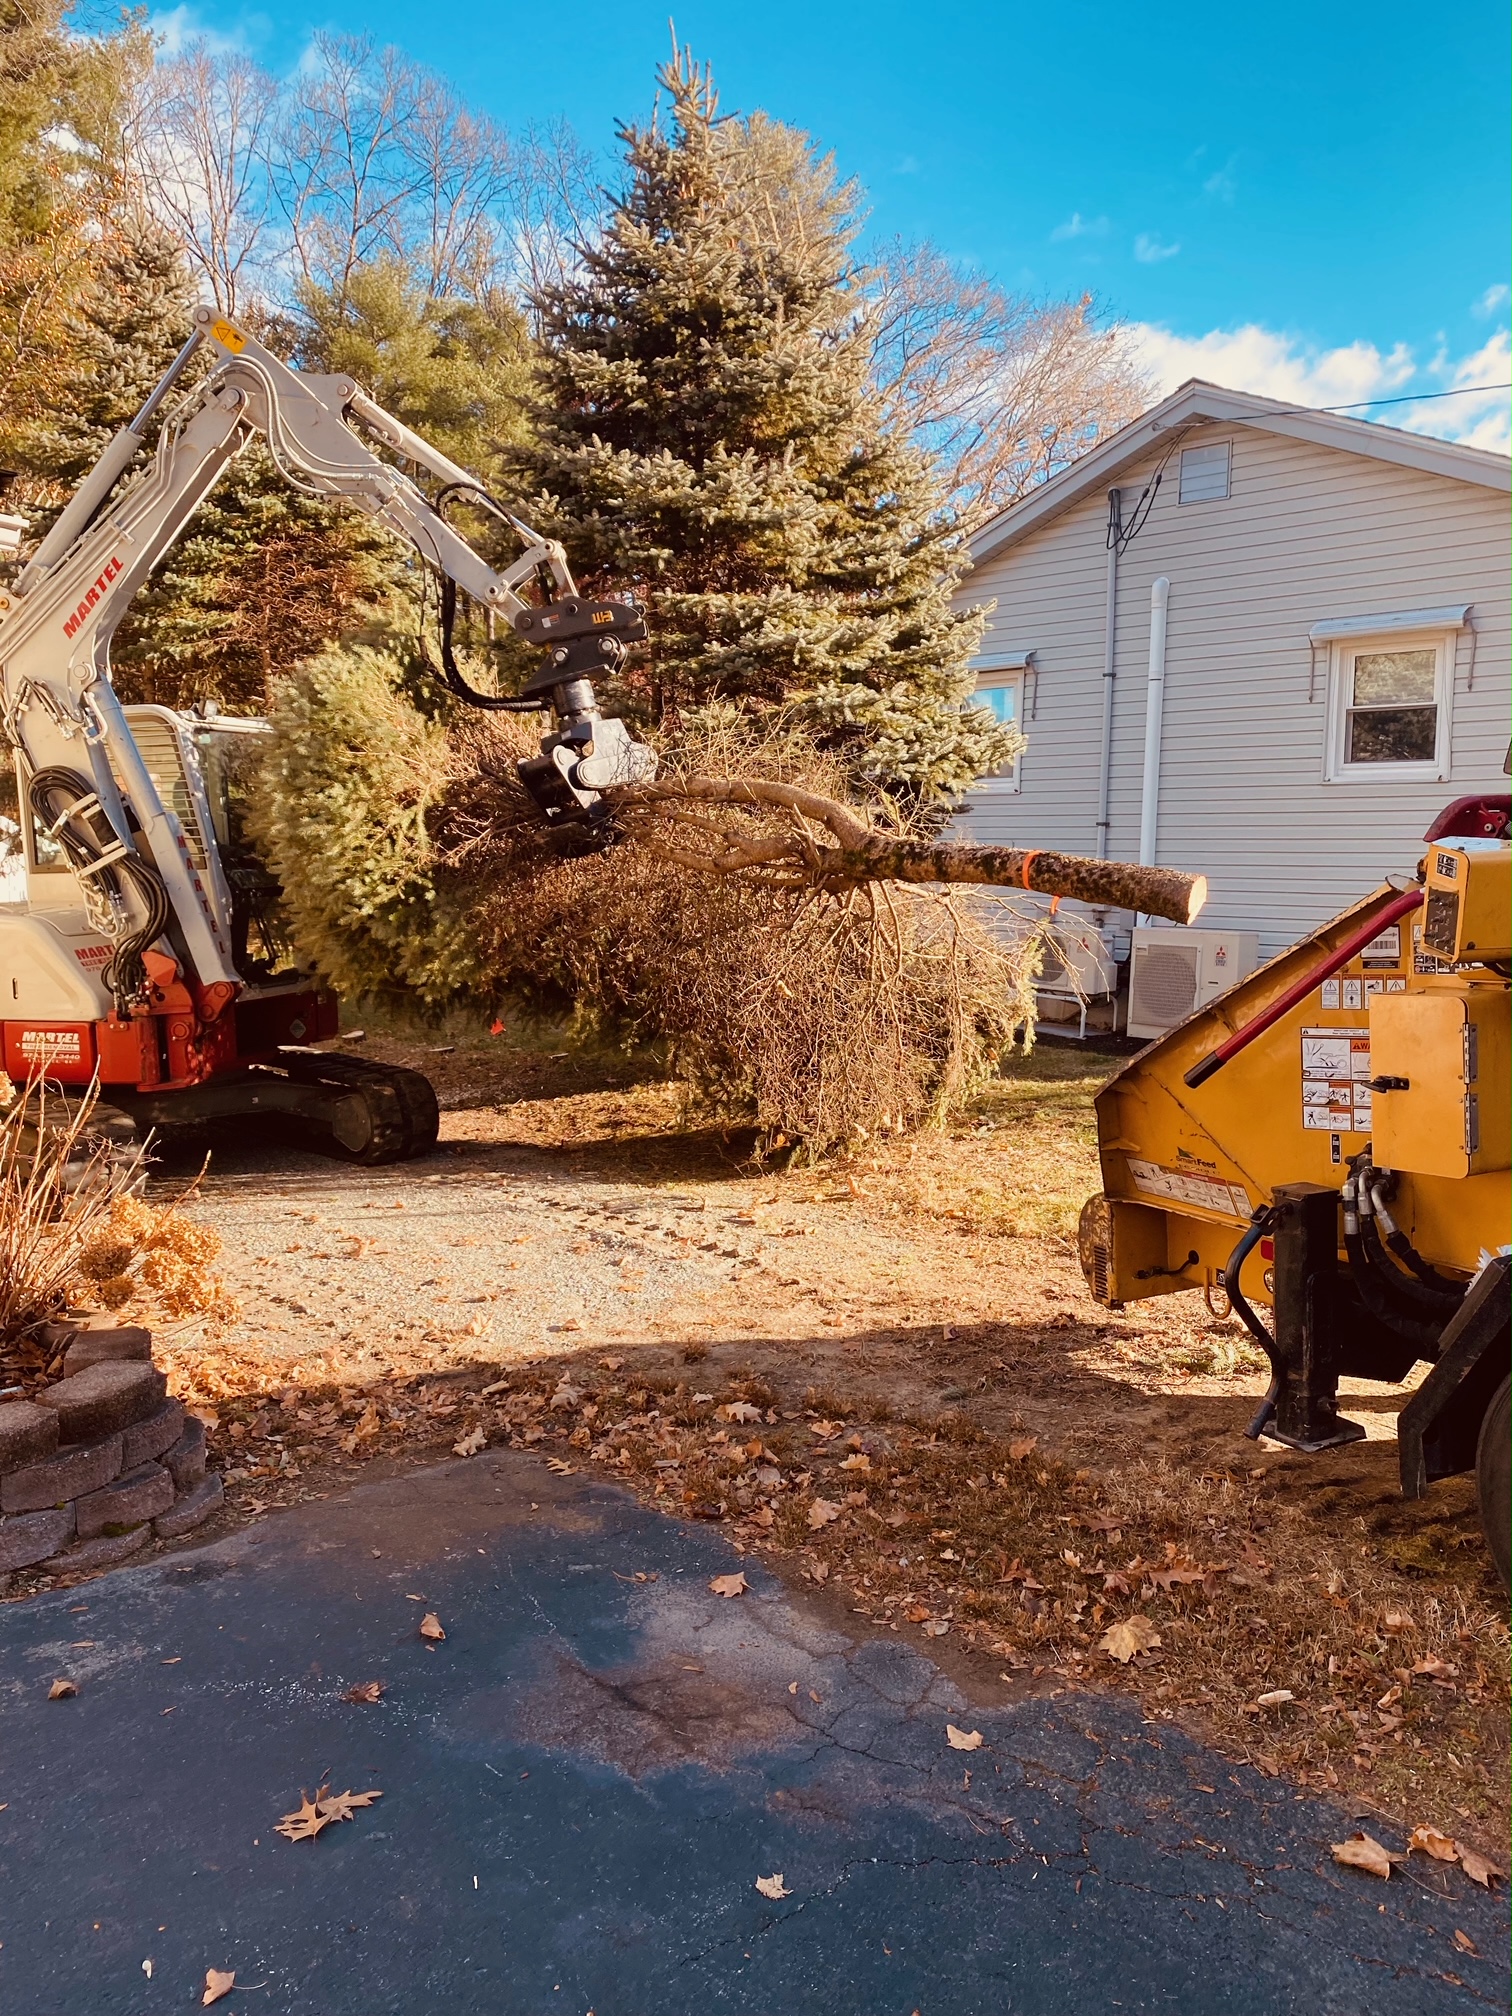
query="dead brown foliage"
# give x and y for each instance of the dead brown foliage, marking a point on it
(73, 1235)
(820, 1017)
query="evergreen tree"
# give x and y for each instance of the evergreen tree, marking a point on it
(455, 370)
(706, 434)
(262, 578)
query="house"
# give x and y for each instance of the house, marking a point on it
(1249, 639)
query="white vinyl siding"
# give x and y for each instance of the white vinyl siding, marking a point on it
(1309, 533)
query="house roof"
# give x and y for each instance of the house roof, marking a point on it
(1197, 402)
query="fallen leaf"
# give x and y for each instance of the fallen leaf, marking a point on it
(60, 1690)
(1433, 1669)
(217, 1984)
(611, 1364)
(1122, 1640)
(962, 1739)
(342, 1805)
(471, 1444)
(147, 1969)
(729, 1585)
(773, 1886)
(1477, 1868)
(1360, 1851)
(738, 1410)
(302, 1825)
(1429, 1840)
(820, 1513)
(562, 1469)
(936, 1628)
(1465, 1943)
(1022, 1446)
(1277, 1698)
(1397, 1620)
(365, 1690)
(430, 1627)
(856, 1463)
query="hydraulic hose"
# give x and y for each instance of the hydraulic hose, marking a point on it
(1258, 1226)
(493, 703)
(1418, 1327)
(1438, 1299)
(1398, 1243)
(65, 801)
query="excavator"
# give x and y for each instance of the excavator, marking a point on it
(1330, 1143)
(139, 950)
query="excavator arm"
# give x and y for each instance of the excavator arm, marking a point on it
(85, 776)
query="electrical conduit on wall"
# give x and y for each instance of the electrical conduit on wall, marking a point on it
(1110, 667)
(1149, 803)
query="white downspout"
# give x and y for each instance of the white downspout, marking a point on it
(1149, 804)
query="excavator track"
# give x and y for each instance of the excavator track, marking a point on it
(390, 1114)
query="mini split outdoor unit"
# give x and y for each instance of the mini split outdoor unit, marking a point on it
(1173, 973)
(1077, 961)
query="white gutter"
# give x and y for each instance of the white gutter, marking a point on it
(1110, 633)
(1149, 804)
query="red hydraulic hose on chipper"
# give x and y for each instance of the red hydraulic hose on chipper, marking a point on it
(1300, 989)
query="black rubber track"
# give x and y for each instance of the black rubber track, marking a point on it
(402, 1109)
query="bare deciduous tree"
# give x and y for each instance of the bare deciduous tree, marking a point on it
(199, 141)
(1003, 390)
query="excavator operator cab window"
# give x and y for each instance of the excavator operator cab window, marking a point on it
(25, 849)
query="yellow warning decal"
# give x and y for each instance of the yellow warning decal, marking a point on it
(231, 337)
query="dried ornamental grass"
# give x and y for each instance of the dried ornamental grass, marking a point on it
(59, 1183)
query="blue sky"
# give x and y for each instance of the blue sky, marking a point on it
(1307, 200)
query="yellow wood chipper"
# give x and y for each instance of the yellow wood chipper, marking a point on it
(1331, 1142)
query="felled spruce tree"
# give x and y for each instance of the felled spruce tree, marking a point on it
(706, 436)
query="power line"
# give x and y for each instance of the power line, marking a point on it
(1414, 398)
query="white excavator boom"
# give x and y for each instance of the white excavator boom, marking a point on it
(147, 885)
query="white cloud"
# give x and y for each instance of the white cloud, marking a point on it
(180, 28)
(1278, 365)
(1149, 250)
(1493, 298)
(1254, 359)
(1077, 226)
(1222, 184)
(1483, 419)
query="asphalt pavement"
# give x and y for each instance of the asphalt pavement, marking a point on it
(582, 1783)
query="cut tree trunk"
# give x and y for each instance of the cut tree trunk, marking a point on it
(824, 845)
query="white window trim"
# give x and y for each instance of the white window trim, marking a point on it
(1005, 670)
(1440, 639)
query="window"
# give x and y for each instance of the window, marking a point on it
(1001, 693)
(1389, 716)
(1205, 473)
(12, 854)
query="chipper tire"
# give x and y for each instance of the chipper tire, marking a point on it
(389, 1115)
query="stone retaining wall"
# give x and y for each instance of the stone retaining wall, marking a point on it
(100, 1462)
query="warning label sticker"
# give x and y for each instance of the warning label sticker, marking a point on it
(1335, 1067)
(1179, 1186)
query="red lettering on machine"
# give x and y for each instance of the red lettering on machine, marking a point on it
(111, 569)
